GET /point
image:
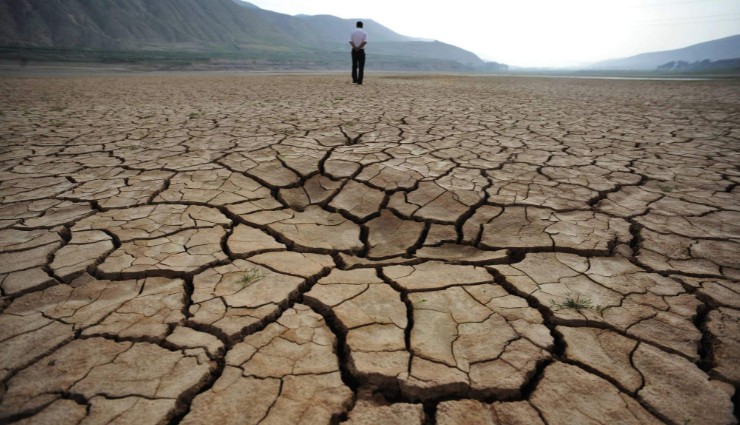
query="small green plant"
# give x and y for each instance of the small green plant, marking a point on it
(576, 302)
(55, 123)
(665, 188)
(193, 115)
(252, 275)
(133, 147)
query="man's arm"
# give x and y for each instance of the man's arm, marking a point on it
(364, 41)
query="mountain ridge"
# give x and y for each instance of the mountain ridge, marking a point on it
(213, 27)
(713, 50)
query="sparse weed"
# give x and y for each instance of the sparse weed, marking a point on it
(55, 123)
(665, 187)
(577, 303)
(133, 147)
(252, 275)
(193, 115)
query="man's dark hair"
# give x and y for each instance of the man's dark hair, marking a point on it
(359, 24)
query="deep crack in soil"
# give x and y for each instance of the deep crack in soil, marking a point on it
(267, 249)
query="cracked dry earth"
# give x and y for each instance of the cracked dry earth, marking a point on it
(418, 250)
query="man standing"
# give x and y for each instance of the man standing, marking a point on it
(358, 40)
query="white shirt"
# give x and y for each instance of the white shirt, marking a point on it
(358, 36)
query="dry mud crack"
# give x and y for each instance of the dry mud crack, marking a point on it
(417, 250)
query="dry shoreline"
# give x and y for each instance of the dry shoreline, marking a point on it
(221, 247)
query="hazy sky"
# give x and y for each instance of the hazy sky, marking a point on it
(540, 32)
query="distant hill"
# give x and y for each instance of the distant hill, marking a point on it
(723, 48)
(134, 24)
(732, 65)
(333, 29)
(229, 30)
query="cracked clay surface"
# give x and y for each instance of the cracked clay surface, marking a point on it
(418, 250)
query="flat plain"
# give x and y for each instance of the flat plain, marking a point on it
(279, 249)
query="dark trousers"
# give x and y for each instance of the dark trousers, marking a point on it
(358, 65)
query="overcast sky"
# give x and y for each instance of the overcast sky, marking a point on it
(540, 32)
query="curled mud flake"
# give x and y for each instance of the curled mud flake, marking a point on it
(81, 254)
(369, 411)
(213, 187)
(94, 366)
(433, 202)
(295, 263)
(246, 241)
(314, 191)
(454, 253)
(389, 177)
(37, 323)
(627, 202)
(440, 233)
(33, 189)
(61, 411)
(225, 300)
(612, 292)
(45, 213)
(185, 338)
(183, 252)
(318, 229)
(28, 337)
(24, 256)
(694, 399)
(372, 319)
(12, 240)
(714, 291)
(152, 221)
(19, 261)
(125, 191)
(468, 411)
(542, 229)
(723, 326)
(721, 224)
(567, 394)
(436, 274)
(339, 168)
(671, 253)
(287, 372)
(522, 184)
(473, 340)
(18, 282)
(390, 236)
(262, 166)
(358, 200)
(605, 351)
(132, 409)
(189, 161)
